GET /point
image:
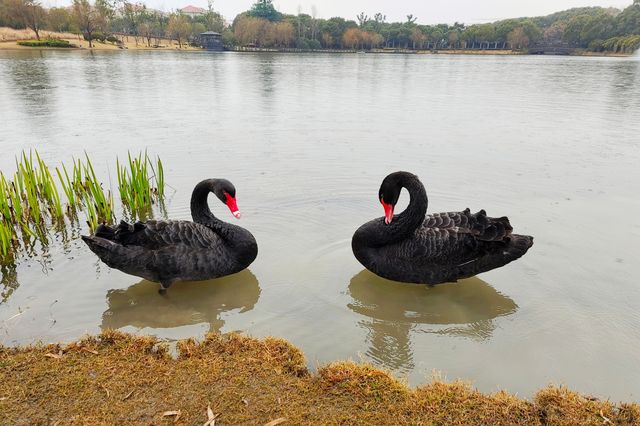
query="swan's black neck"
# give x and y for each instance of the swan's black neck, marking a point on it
(200, 211)
(405, 223)
(236, 238)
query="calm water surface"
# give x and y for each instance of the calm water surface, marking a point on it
(552, 142)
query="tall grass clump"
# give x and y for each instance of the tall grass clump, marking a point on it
(139, 183)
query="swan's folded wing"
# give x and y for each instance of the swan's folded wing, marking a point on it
(441, 245)
(189, 263)
(478, 224)
(456, 245)
(154, 235)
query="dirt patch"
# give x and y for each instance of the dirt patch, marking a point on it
(117, 378)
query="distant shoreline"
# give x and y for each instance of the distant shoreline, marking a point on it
(98, 46)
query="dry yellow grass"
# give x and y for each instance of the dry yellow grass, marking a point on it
(10, 34)
(116, 378)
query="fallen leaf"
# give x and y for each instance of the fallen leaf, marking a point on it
(89, 350)
(245, 401)
(276, 421)
(128, 395)
(171, 413)
(211, 418)
(55, 356)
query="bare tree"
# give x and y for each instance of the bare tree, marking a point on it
(27, 12)
(362, 19)
(87, 18)
(314, 22)
(212, 19)
(178, 28)
(146, 31)
(418, 38)
(518, 38)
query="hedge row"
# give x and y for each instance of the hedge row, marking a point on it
(50, 42)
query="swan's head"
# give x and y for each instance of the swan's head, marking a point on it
(389, 194)
(226, 192)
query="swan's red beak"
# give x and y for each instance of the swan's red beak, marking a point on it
(233, 206)
(388, 211)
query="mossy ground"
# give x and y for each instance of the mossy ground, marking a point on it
(117, 378)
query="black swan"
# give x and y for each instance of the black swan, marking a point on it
(441, 247)
(178, 250)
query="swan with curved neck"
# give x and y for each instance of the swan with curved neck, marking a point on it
(436, 248)
(176, 250)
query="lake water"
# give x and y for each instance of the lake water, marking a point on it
(552, 142)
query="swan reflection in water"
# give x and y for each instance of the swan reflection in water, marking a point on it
(188, 303)
(392, 310)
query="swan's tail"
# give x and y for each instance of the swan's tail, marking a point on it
(111, 253)
(499, 253)
(118, 233)
(490, 228)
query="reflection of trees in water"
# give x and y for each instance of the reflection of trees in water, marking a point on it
(623, 84)
(8, 281)
(186, 303)
(32, 82)
(465, 309)
(267, 75)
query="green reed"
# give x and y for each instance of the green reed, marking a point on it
(6, 238)
(16, 202)
(5, 199)
(68, 187)
(91, 212)
(103, 202)
(160, 179)
(135, 182)
(48, 190)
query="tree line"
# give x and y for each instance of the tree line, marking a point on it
(593, 28)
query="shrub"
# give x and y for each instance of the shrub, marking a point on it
(95, 36)
(596, 45)
(314, 44)
(51, 42)
(302, 43)
(112, 39)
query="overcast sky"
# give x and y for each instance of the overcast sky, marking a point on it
(427, 11)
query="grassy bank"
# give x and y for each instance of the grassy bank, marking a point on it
(9, 38)
(118, 379)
